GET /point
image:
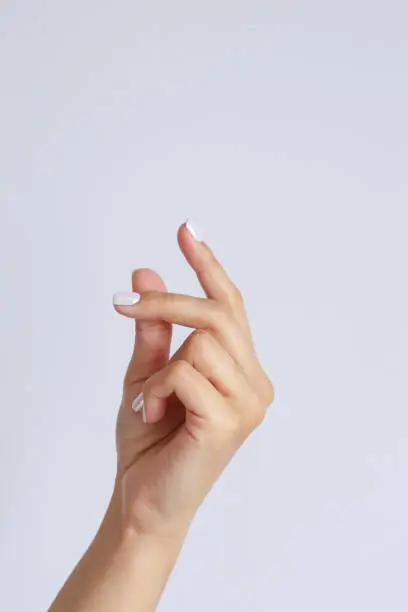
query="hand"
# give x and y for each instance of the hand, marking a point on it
(199, 405)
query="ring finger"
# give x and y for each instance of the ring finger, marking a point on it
(210, 359)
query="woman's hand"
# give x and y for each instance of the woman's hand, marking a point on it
(198, 406)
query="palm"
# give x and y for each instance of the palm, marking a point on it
(135, 439)
(151, 462)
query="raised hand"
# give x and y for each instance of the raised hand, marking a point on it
(181, 420)
(193, 410)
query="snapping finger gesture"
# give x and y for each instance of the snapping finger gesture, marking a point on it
(183, 417)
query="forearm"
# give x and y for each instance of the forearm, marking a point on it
(121, 571)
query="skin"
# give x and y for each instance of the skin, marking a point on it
(201, 404)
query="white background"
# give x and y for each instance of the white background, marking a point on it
(281, 129)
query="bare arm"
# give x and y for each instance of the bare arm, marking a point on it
(180, 422)
(121, 570)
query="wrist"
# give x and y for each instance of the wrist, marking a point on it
(125, 533)
(124, 568)
(140, 561)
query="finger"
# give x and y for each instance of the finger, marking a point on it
(207, 356)
(152, 338)
(193, 312)
(199, 397)
(212, 276)
(248, 391)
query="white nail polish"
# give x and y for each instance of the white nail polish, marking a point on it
(126, 299)
(144, 412)
(192, 230)
(138, 403)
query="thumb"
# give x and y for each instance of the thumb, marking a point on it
(152, 338)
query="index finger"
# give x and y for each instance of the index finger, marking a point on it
(211, 275)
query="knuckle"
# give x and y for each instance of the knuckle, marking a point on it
(259, 414)
(180, 369)
(255, 413)
(221, 315)
(265, 387)
(200, 342)
(269, 392)
(237, 295)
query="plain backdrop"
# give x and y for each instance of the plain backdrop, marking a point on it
(281, 129)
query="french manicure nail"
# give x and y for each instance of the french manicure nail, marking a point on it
(138, 403)
(126, 299)
(192, 230)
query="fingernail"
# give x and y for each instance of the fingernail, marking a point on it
(126, 299)
(144, 417)
(192, 230)
(138, 403)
